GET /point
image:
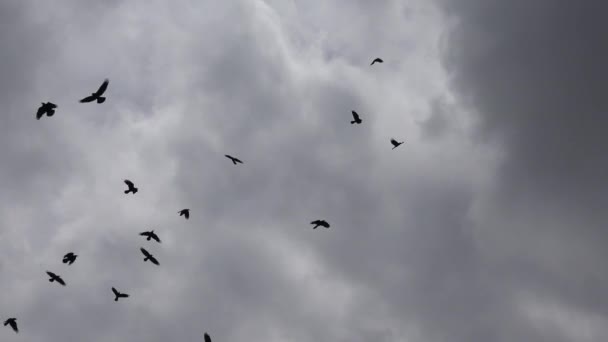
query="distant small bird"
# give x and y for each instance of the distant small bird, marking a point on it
(207, 338)
(119, 295)
(321, 223)
(47, 108)
(396, 143)
(55, 277)
(131, 186)
(150, 235)
(69, 258)
(96, 96)
(13, 323)
(234, 160)
(149, 257)
(185, 213)
(377, 60)
(357, 119)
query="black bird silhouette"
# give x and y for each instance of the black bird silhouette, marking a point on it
(97, 95)
(149, 257)
(13, 323)
(207, 338)
(357, 119)
(118, 294)
(396, 143)
(55, 277)
(47, 108)
(185, 213)
(234, 160)
(150, 235)
(131, 186)
(69, 258)
(321, 223)
(377, 60)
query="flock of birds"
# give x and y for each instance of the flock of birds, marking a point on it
(48, 109)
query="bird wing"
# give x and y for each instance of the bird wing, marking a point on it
(315, 222)
(102, 88)
(229, 157)
(207, 338)
(40, 113)
(13, 325)
(144, 233)
(89, 98)
(155, 237)
(355, 115)
(238, 160)
(115, 292)
(124, 295)
(187, 215)
(51, 105)
(154, 261)
(51, 274)
(148, 255)
(129, 183)
(60, 281)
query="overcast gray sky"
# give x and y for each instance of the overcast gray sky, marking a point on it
(486, 225)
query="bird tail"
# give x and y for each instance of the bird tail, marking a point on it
(134, 190)
(101, 99)
(127, 191)
(146, 259)
(352, 122)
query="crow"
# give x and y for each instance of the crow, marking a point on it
(185, 213)
(149, 257)
(357, 119)
(55, 277)
(321, 223)
(207, 338)
(131, 186)
(234, 160)
(69, 258)
(47, 108)
(119, 295)
(396, 143)
(97, 95)
(150, 235)
(13, 323)
(377, 60)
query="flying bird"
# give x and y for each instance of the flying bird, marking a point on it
(119, 295)
(69, 258)
(96, 96)
(131, 186)
(55, 277)
(321, 223)
(207, 338)
(234, 160)
(47, 108)
(185, 213)
(396, 143)
(150, 235)
(149, 257)
(377, 60)
(357, 119)
(13, 323)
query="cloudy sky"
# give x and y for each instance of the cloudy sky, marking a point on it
(486, 225)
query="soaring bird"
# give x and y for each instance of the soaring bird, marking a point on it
(321, 223)
(377, 60)
(47, 108)
(357, 119)
(234, 160)
(119, 295)
(131, 186)
(149, 257)
(69, 258)
(185, 213)
(150, 235)
(207, 338)
(97, 95)
(13, 323)
(396, 143)
(55, 277)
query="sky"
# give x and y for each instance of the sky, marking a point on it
(485, 225)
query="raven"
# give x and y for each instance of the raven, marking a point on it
(377, 60)
(69, 258)
(131, 186)
(119, 295)
(96, 96)
(150, 235)
(234, 160)
(13, 323)
(55, 277)
(47, 108)
(321, 223)
(396, 143)
(149, 257)
(207, 338)
(357, 119)
(185, 213)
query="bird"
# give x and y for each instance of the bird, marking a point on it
(96, 96)
(234, 160)
(396, 143)
(149, 257)
(150, 235)
(47, 108)
(55, 277)
(377, 60)
(185, 213)
(131, 186)
(119, 295)
(69, 258)
(207, 338)
(357, 119)
(321, 223)
(13, 323)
